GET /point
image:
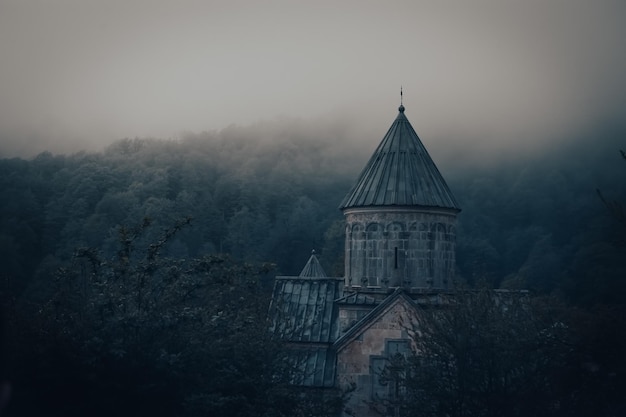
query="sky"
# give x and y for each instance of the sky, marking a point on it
(482, 74)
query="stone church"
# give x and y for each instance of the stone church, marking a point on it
(399, 253)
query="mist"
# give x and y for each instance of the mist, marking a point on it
(479, 79)
(155, 155)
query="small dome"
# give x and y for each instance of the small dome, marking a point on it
(401, 108)
(313, 268)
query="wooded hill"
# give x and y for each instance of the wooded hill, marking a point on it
(535, 223)
(135, 281)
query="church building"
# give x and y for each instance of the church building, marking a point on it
(399, 254)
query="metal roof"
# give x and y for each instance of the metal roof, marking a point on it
(357, 299)
(400, 173)
(314, 366)
(303, 314)
(313, 268)
(302, 309)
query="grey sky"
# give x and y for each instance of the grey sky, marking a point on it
(82, 73)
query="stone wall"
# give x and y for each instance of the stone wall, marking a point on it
(360, 360)
(394, 247)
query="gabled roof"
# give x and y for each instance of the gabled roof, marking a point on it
(356, 298)
(400, 173)
(399, 295)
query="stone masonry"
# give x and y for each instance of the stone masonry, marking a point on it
(399, 247)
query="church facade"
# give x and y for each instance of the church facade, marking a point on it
(399, 254)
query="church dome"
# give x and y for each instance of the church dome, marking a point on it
(400, 173)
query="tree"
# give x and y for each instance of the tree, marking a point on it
(141, 334)
(480, 353)
(615, 208)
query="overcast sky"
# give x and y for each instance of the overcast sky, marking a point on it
(80, 74)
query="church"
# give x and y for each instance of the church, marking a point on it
(400, 238)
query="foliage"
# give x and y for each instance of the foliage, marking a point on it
(126, 326)
(615, 208)
(486, 353)
(523, 225)
(142, 334)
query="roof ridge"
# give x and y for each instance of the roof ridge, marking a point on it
(357, 328)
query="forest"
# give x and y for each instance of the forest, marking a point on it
(127, 272)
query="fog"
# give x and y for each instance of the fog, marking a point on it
(481, 78)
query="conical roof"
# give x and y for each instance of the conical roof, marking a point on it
(400, 173)
(313, 268)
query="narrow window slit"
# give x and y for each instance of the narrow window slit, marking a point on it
(395, 257)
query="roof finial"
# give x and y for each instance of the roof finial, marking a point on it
(401, 108)
(400, 95)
